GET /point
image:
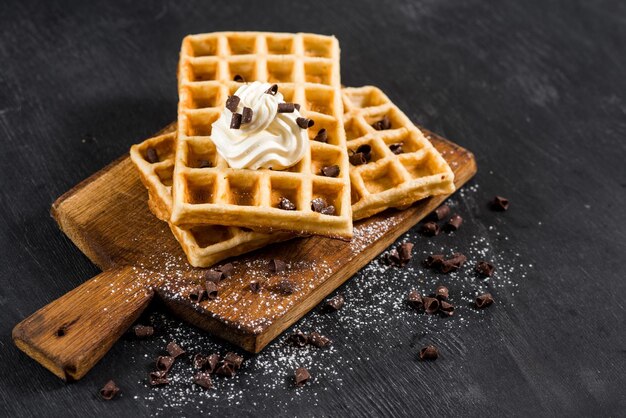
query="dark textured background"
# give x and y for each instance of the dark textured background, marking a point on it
(535, 88)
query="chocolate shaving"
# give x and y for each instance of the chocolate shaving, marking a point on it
(430, 229)
(211, 290)
(431, 305)
(484, 300)
(330, 171)
(302, 376)
(233, 358)
(357, 159)
(440, 213)
(255, 286)
(414, 300)
(226, 369)
(442, 293)
(175, 350)
(322, 136)
(446, 308)
(318, 340)
(246, 115)
(366, 150)
(239, 78)
(232, 102)
(152, 156)
(157, 378)
(333, 304)
(484, 268)
(401, 256)
(286, 107)
(452, 264)
(211, 363)
(109, 390)
(203, 379)
(272, 90)
(164, 363)
(454, 223)
(198, 294)
(382, 124)
(199, 361)
(500, 203)
(143, 331)
(226, 270)
(297, 106)
(276, 265)
(235, 121)
(305, 123)
(396, 148)
(285, 287)
(434, 260)
(285, 204)
(429, 352)
(298, 339)
(213, 276)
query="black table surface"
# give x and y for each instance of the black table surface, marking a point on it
(536, 89)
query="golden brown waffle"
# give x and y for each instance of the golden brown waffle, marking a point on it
(204, 245)
(306, 69)
(389, 180)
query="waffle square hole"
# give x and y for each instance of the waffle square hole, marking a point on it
(408, 141)
(287, 92)
(354, 129)
(165, 175)
(320, 101)
(201, 154)
(164, 149)
(332, 130)
(245, 69)
(203, 96)
(376, 152)
(355, 196)
(240, 45)
(318, 46)
(331, 194)
(419, 167)
(366, 98)
(207, 235)
(278, 45)
(244, 190)
(318, 72)
(200, 190)
(200, 124)
(382, 178)
(395, 118)
(288, 188)
(280, 71)
(203, 71)
(324, 156)
(202, 47)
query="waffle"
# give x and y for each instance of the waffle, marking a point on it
(204, 245)
(388, 179)
(306, 69)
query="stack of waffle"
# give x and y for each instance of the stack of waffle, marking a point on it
(380, 160)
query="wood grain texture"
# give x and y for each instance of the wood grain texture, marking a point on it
(107, 217)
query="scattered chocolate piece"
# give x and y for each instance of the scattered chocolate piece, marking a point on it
(276, 265)
(238, 78)
(226, 369)
(440, 213)
(226, 270)
(235, 121)
(452, 264)
(318, 204)
(322, 136)
(500, 203)
(404, 252)
(232, 102)
(164, 363)
(211, 363)
(143, 331)
(203, 379)
(318, 340)
(396, 148)
(285, 287)
(414, 300)
(431, 305)
(285, 204)
(328, 210)
(330, 171)
(246, 115)
(199, 361)
(175, 350)
(255, 286)
(454, 223)
(152, 156)
(484, 300)
(272, 90)
(157, 378)
(429, 352)
(213, 276)
(233, 358)
(286, 107)
(357, 159)
(204, 164)
(392, 258)
(298, 339)
(382, 124)
(305, 123)
(297, 106)
(366, 150)
(442, 293)
(484, 268)
(430, 229)
(211, 290)
(434, 260)
(302, 376)
(109, 391)
(333, 304)
(446, 308)
(198, 294)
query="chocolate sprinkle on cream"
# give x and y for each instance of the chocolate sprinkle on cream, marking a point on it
(272, 90)
(175, 350)
(285, 204)
(246, 115)
(211, 290)
(286, 107)
(232, 102)
(305, 123)
(276, 265)
(382, 124)
(414, 300)
(484, 300)
(484, 268)
(430, 229)
(152, 156)
(429, 352)
(235, 121)
(333, 304)
(143, 331)
(109, 390)
(164, 363)
(330, 171)
(203, 379)
(302, 376)
(322, 136)
(297, 106)
(431, 305)
(500, 203)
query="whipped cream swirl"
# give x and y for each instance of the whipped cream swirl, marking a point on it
(270, 140)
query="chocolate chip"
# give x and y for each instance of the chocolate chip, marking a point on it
(255, 286)
(431, 305)
(226, 369)
(235, 121)
(232, 102)
(318, 340)
(430, 229)
(396, 148)
(285, 287)
(213, 276)
(226, 270)
(199, 361)
(429, 352)
(305, 123)
(175, 350)
(322, 136)
(211, 363)
(157, 378)
(109, 390)
(233, 358)
(204, 164)
(297, 106)
(446, 308)
(143, 331)
(333, 304)
(484, 300)
(164, 363)
(272, 90)
(328, 210)
(198, 294)
(442, 293)
(404, 252)
(298, 339)
(500, 203)
(357, 159)
(238, 78)
(246, 115)
(454, 223)
(285, 204)
(440, 213)
(434, 260)
(366, 150)
(203, 379)
(302, 376)
(330, 171)
(414, 300)
(276, 265)
(318, 204)
(211, 290)
(382, 124)
(152, 156)
(484, 268)
(452, 264)
(286, 107)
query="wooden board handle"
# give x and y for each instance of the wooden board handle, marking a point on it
(69, 335)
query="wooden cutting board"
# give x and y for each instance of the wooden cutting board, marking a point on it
(107, 217)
